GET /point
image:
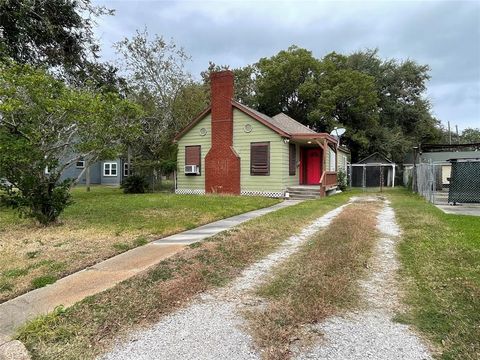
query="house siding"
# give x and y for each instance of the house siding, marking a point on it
(193, 184)
(290, 180)
(72, 172)
(274, 183)
(342, 159)
(111, 180)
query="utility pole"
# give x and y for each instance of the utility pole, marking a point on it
(458, 137)
(449, 134)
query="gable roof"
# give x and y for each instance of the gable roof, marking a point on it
(281, 123)
(372, 157)
(290, 125)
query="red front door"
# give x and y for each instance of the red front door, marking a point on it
(313, 164)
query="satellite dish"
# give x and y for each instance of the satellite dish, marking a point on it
(337, 132)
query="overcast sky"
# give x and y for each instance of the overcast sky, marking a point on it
(444, 35)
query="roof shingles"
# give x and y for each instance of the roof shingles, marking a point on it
(282, 122)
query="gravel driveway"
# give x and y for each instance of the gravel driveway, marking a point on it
(212, 327)
(371, 333)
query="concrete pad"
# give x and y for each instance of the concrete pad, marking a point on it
(104, 275)
(459, 209)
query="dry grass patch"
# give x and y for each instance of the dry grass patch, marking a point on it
(35, 252)
(90, 327)
(99, 225)
(315, 283)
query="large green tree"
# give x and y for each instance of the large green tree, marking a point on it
(45, 127)
(284, 83)
(58, 35)
(381, 103)
(470, 136)
(404, 111)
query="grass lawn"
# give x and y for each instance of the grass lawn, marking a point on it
(92, 325)
(440, 254)
(315, 283)
(100, 224)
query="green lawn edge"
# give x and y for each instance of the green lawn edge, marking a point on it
(440, 272)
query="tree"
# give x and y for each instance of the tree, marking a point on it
(245, 90)
(403, 110)
(343, 97)
(382, 103)
(319, 93)
(45, 127)
(58, 35)
(159, 82)
(53, 33)
(470, 135)
(280, 83)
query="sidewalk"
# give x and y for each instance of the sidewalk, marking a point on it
(106, 274)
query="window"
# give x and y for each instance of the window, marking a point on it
(193, 156)
(332, 159)
(260, 158)
(292, 159)
(110, 169)
(80, 164)
(125, 169)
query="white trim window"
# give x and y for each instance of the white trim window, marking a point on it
(80, 164)
(333, 160)
(110, 169)
(125, 169)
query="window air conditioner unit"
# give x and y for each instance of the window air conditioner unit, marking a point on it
(192, 170)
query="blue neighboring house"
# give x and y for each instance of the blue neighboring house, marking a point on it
(107, 172)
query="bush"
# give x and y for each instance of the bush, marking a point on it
(342, 180)
(44, 201)
(134, 184)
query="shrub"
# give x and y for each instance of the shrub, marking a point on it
(43, 201)
(342, 180)
(134, 184)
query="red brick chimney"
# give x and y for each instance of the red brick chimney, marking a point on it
(222, 163)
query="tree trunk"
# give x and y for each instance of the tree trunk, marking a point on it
(87, 175)
(129, 161)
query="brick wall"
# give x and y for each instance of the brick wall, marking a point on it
(222, 163)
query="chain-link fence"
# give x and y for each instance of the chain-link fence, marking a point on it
(452, 182)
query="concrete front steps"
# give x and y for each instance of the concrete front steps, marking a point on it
(306, 192)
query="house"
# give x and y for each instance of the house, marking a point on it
(343, 158)
(439, 155)
(107, 172)
(231, 148)
(376, 170)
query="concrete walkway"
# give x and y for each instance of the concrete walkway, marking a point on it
(106, 274)
(460, 209)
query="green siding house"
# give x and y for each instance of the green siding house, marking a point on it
(231, 148)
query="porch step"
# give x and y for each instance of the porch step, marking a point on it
(302, 193)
